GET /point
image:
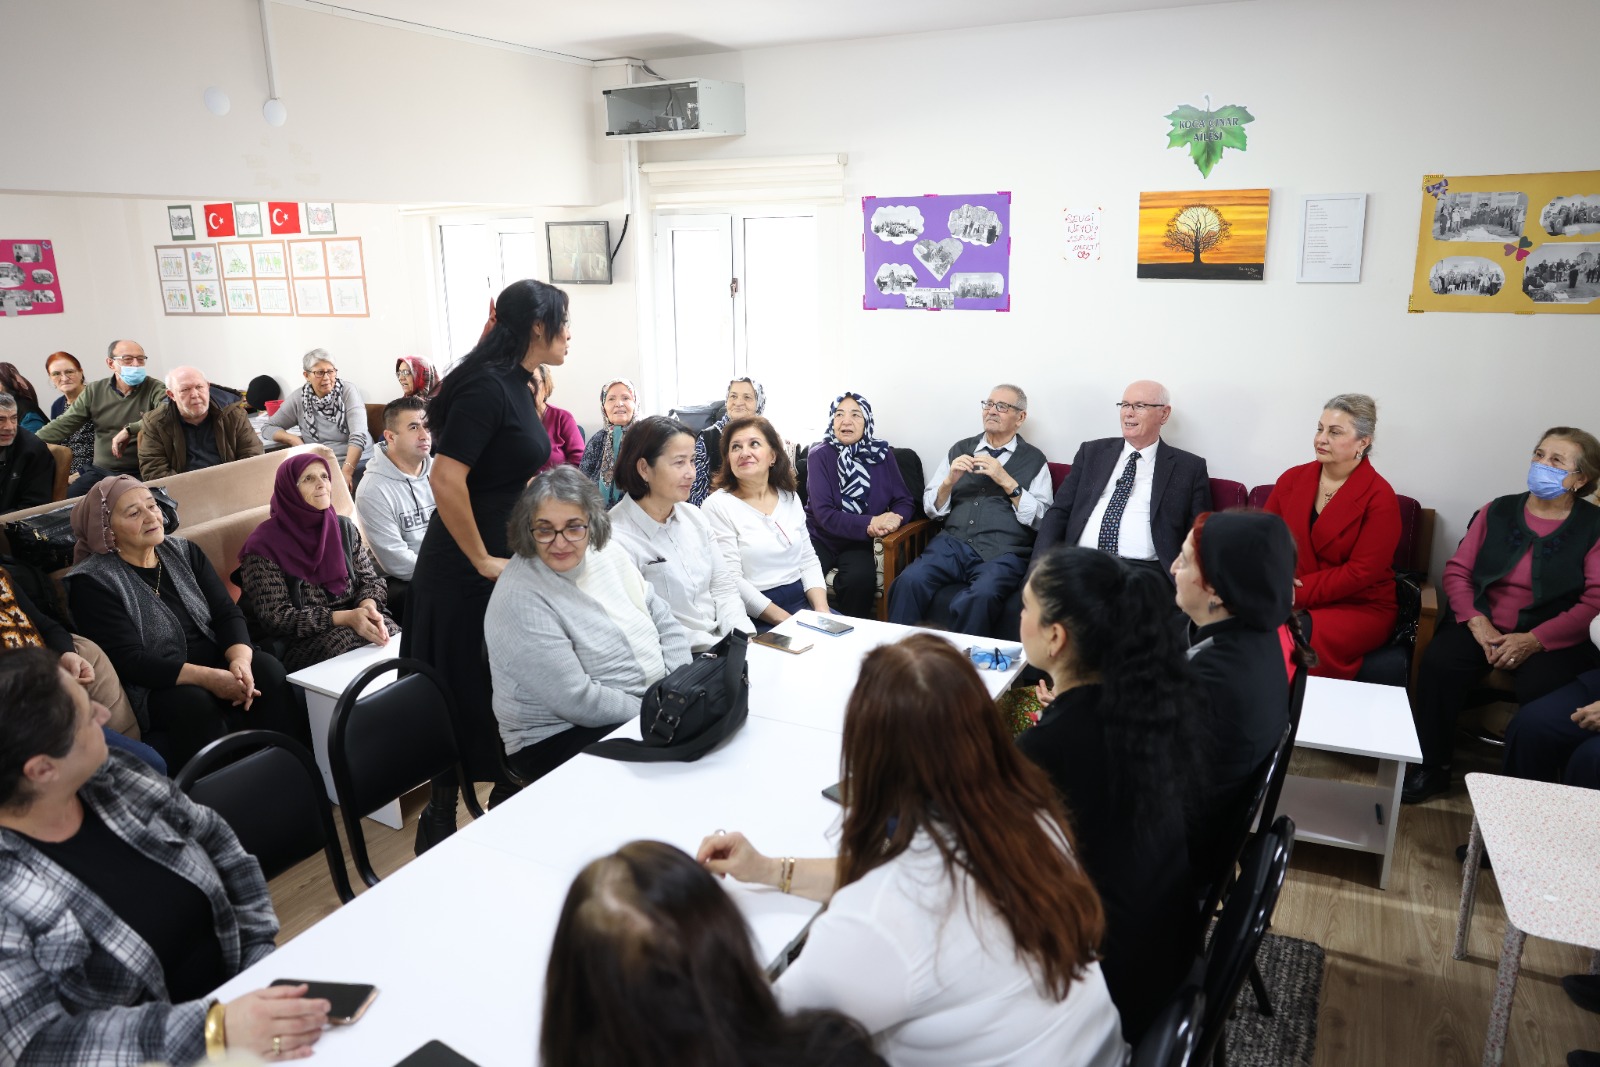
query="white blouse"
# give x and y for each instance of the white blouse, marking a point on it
(768, 550)
(681, 561)
(934, 976)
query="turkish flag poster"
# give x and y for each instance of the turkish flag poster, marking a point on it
(219, 220)
(283, 217)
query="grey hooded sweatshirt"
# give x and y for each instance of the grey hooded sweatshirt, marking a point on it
(394, 510)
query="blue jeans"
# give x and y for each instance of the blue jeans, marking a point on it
(138, 748)
(977, 608)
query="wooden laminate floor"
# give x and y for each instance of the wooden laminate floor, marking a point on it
(1391, 993)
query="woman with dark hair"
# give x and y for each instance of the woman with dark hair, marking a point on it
(416, 377)
(854, 493)
(670, 540)
(960, 929)
(488, 442)
(619, 406)
(566, 438)
(123, 903)
(648, 928)
(21, 390)
(66, 374)
(760, 525)
(1120, 739)
(745, 398)
(306, 575)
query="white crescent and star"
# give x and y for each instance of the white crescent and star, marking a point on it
(214, 221)
(279, 216)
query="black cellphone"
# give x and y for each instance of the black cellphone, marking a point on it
(347, 1001)
(825, 624)
(436, 1054)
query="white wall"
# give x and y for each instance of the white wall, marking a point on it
(1366, 95)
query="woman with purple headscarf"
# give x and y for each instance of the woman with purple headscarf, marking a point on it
(305, 574)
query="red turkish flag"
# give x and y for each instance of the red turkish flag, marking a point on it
(283, 217)
(219, 220)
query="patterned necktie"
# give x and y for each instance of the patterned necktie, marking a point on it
(995, 452)
(1111, 524)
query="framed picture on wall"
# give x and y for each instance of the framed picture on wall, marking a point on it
(344, 257)
(319, 218)
(203, 263)
(236, 259)
(172, 263)
(272, 297)
(580, 252)
(209, 299)
(241, 297)
(349, 295)
(176, 298)
(180, 221)
(311, 298)
(247, 219)
(269, 259)
(306, 259)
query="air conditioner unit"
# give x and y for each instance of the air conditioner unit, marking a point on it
(691, 107)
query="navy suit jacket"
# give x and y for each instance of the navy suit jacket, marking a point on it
(1180, 492)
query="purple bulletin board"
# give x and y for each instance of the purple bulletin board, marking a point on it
(29, 282)
(939, 253)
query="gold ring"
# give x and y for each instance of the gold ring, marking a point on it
(277, 1045)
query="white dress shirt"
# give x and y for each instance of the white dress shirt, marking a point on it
(767, 551)
(681, 561)
(1134, 541)
(1031, 506)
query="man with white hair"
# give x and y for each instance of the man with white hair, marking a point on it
(192, 431)
(1135, 496)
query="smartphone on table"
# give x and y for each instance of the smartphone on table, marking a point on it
(783, 642)
(347, 1001)
(825, 623)
(436, 1054)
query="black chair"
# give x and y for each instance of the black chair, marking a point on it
(386, 743)
(698, 416)
(1297, 703)
(1231, 844)
(1171, 1039)
(267, 787)
(1240, 929)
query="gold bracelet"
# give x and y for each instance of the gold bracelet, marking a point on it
(786, 878)
(217, 1032)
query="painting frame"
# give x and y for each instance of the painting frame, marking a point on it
(242, 298)
(315, 225)
(1230, 225)
(244, 210)
(274, 297)
(265, 267)
(572, 252)
(180, 222)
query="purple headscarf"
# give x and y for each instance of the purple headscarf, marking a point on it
(302, 540)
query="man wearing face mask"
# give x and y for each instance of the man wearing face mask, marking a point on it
(117, 406)
(1522, 590)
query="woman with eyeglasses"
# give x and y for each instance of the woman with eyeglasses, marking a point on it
(575, 634)
(760, 525)
(745, 398)
(66, 374)
(329, 412)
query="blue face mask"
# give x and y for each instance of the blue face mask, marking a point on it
(1545, 481)
(130, 376)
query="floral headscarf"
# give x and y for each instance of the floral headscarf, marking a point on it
(613, 440)
(424, 379)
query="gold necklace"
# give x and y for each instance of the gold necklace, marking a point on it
(158, 577)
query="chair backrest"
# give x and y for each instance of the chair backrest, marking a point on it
(1414, 552)
(1058, 474)
(63, 457)
(1241, 927)
(1280, 771)
(1227, 494)
(906, 459)
(1235, 837)
(698, 416)
(1258, 496)
(384, 743)
(266, 786)
(1171, 1039)
(375, 422)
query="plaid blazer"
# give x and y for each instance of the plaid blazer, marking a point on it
(77, 985)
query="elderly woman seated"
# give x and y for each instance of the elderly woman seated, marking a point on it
(329, 412)
(1507, 613)
(178, 641)
(305, 574)
(619, 406)
(575, 634)
(123, 904)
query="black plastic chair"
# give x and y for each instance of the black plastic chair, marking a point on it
(1297, 703)
(384, 744)
(1171, 1039)
(1240, 929)
(1232, 845)
(267, 787)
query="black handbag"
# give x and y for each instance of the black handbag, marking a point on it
(692, 710)
(46, 541)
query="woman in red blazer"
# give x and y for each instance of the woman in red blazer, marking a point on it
(1346, 522)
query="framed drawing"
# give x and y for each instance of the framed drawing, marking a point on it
(236, 259)
(180, 221)
(344, 257)
(580, 252)
(241, 297)
(349, 295)
(311, 298)
(176, 298)
(272, 297)
(209, 299)
(247, 219)
(319, 218)
(306, 259)
(172, 263)
(269, 259)
(203, 263)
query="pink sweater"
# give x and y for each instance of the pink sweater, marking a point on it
(1511, 594)
(566, 443)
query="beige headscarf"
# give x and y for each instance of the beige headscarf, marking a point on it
(91, 516)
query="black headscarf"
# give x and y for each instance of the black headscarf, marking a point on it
(1248, 557)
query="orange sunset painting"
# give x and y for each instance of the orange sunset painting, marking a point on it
(1204, 234)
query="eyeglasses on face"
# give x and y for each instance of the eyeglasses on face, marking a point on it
(1138, 409)
(999, 405)
(128, 361)
(329, 373)
(574, 532)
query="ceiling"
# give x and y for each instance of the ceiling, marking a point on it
(658, 29)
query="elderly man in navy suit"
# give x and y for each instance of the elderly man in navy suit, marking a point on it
(1134, 496)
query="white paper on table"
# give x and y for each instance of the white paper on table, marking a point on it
(1083, 233)
(1331, 226)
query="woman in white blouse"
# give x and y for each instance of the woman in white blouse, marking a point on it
(960, 930)
(669, 540)
(760, 525)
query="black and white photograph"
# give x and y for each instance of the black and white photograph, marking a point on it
(896, 277)
(1562, 274)
(937, 256)
(1568, 216)
(975, 225)
(986, 286)
(180, 221)
(27, 253)
(44, 296)
(1466, 276)
(17, 298)
(41, 276)
(941, 299)
(10, 276)
(898, 223)
(1479, 216)
(580, 252)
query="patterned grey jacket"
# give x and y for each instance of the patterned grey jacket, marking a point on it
(77, 985)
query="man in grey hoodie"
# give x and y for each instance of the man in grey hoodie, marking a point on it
(394, 500)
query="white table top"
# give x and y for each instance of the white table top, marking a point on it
(1544, 840)
(1360, 718)
(331, 675)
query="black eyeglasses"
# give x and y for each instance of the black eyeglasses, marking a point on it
(575, 533)
(1140, 407)
(999, 405)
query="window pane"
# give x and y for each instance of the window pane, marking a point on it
(467, 269)
(521, 257)
(702, 267)
(781, 308)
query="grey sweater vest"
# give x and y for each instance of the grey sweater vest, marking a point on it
(981, 514)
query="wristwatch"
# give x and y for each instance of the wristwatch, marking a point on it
(1016, 491)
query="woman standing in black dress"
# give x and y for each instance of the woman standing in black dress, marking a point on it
(489, 442)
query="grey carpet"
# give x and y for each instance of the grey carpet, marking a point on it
(1292, 970)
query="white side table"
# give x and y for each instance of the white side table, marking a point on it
(324, 683)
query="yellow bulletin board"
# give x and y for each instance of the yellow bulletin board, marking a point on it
(1525, 244)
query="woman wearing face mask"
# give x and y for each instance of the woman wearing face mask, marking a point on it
(745, 399)
(1502, 611)
(619, 403)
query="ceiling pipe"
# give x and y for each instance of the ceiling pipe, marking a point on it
(273, 110)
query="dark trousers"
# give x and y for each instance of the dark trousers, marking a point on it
(790, 598)
(855, 586)
(91, 474)
(977, 608)
(1545, 745)
(397, 589)
(186, 718)
(1454, 662)
(536, 761)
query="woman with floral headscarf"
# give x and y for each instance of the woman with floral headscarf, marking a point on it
(619, 403)
(855, 492)
(745, 399)
(416, 377)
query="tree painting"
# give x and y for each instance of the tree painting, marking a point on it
(1197, 229)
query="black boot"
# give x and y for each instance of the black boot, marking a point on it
(501, 793)
(438, 819)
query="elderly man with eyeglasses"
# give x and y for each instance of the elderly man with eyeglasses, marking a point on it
(1135, 496)
(992, 490)
(117, 406)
